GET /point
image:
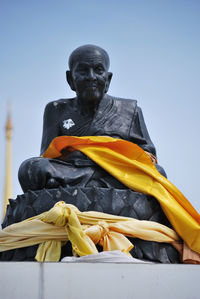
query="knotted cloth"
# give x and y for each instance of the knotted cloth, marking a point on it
(64, 222)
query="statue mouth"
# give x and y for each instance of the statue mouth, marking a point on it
(91, 86)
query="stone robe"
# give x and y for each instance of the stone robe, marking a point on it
(115, 117)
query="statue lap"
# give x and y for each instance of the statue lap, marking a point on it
(90, 189)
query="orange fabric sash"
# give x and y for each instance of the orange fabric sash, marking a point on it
(132, 166)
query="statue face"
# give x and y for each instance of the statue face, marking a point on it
(89, 77)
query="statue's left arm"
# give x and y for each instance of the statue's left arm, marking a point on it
(139, 133)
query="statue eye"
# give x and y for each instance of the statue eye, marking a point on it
(99, 69)
(81, 70)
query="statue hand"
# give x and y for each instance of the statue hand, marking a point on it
(39, 173)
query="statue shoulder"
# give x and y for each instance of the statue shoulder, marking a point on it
(123, 104)
(132, 102)
(58, 105)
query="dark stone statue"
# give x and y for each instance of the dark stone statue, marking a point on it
(91, 113)
(75, 178)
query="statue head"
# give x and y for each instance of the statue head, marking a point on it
(88, 75)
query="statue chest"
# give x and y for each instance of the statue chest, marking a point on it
(113, 118)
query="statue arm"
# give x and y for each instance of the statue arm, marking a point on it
(50, 125)
(38, 173)
(139, 133)
(147, 145)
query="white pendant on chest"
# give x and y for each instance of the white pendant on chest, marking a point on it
(68, 123)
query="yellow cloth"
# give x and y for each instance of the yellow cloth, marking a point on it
(132, 166)
(83, 229)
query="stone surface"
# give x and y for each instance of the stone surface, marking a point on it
(114, 281)
(19, 280)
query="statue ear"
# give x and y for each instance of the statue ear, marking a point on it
(70, 80)
(108, 81)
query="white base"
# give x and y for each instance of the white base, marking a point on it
(32, 280)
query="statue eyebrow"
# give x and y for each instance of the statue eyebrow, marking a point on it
(83, 64)
(99, 65)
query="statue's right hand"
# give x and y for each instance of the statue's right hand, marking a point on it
(39, 173)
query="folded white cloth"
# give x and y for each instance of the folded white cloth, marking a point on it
(115, 256)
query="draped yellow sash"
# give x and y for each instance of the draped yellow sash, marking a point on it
(132, 166)
(64, 222)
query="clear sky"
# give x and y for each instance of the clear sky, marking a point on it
(154, 48)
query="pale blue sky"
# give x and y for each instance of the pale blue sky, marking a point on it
(154, 47)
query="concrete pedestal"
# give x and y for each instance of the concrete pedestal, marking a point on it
(29, 280)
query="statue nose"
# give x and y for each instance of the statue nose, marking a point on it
(91, 74)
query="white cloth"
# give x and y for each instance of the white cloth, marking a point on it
(115, 256)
